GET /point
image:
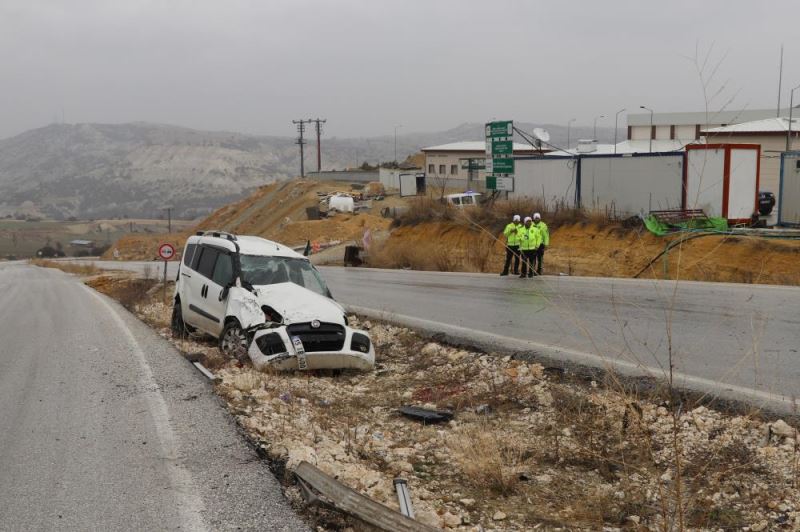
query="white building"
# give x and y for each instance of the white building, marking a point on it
(687, 127)
(446, 165)
(771, 134)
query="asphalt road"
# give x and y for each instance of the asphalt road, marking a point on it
(733, 340)
(104, 426)
(738, 341)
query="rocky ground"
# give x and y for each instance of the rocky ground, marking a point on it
(529, 447)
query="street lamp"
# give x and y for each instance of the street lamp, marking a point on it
(594, 129)
(395, 141)
(616, 119)
(789, 129)
(651, 126)
(571, 120)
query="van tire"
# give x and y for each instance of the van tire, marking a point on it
(233, 341)
(178, 326)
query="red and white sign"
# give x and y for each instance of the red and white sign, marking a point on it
(166, 251)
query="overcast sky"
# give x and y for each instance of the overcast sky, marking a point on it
(253, 66)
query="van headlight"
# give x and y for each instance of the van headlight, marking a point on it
(360, 342)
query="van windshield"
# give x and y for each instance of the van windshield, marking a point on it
(261, 270)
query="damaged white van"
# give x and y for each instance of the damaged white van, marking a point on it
(264, 301)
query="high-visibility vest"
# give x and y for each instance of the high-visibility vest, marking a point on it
(511, 232)
(542, 227)
(529, 238)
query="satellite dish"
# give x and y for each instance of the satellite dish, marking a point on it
(541, 134)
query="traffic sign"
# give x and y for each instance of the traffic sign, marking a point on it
(502, 147)
(166, 251)
(502, 165)
(499, 183)
(504, 128)
(473, 164)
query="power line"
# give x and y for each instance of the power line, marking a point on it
(301, 127)
(319, 122)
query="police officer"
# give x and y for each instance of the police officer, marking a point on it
(545, 241)
(529, 240)
(512, 244)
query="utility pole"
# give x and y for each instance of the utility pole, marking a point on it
(319, 122)
(169, 218)
(301, 127)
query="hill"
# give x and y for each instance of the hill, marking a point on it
(136, 169)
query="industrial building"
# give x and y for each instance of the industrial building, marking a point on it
(450, 163)
(771, 134)
(687, 127)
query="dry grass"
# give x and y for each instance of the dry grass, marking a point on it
(488, 460)
(69, 267)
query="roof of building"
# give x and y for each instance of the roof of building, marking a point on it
(82, 242)
(767, 125)
(701, 117)
(629, 146)
(476, 146)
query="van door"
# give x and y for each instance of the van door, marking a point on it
(200, 308)
(221, 278)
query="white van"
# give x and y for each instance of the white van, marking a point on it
(263, 300)
(466, 199)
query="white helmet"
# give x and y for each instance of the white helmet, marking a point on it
(537, 216)
(528, 219)
(516, 218)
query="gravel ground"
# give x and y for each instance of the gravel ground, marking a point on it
(529, 446)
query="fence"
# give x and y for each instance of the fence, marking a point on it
(627, 184)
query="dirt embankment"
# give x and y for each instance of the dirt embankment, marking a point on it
(590, 250)
(276, 212)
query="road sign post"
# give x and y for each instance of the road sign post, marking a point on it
(166, 252)
(500, 156)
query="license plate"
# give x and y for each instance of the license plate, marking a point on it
(302, 363)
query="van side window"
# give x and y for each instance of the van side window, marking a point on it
(223, 270)
(208, 257)
(196, 258)
(188, 254)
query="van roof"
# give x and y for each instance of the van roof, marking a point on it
(248, 245)
(463, 195)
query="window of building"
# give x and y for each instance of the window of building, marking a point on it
(442, 169)
(453, 169)
(431, 169)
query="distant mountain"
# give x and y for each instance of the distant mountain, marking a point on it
(136, 169)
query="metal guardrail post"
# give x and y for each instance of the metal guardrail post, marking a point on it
(404, 497)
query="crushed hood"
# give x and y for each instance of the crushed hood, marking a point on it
(297, 304)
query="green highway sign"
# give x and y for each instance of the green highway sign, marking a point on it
(502, 147)
(503, 128)
(473, 164)
(503, 165)
(499, 183)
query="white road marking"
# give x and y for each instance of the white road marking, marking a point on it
(190, 505)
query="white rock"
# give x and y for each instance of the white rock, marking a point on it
(634, 519)
(499, 516)
(451, 520)
(431, 349)
(469, 503)
(782, 429)
(543, 479)
(428, 517)
(758, 527)
(666, 477)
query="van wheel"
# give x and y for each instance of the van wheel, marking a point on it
(233, 342)
(179, 329)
